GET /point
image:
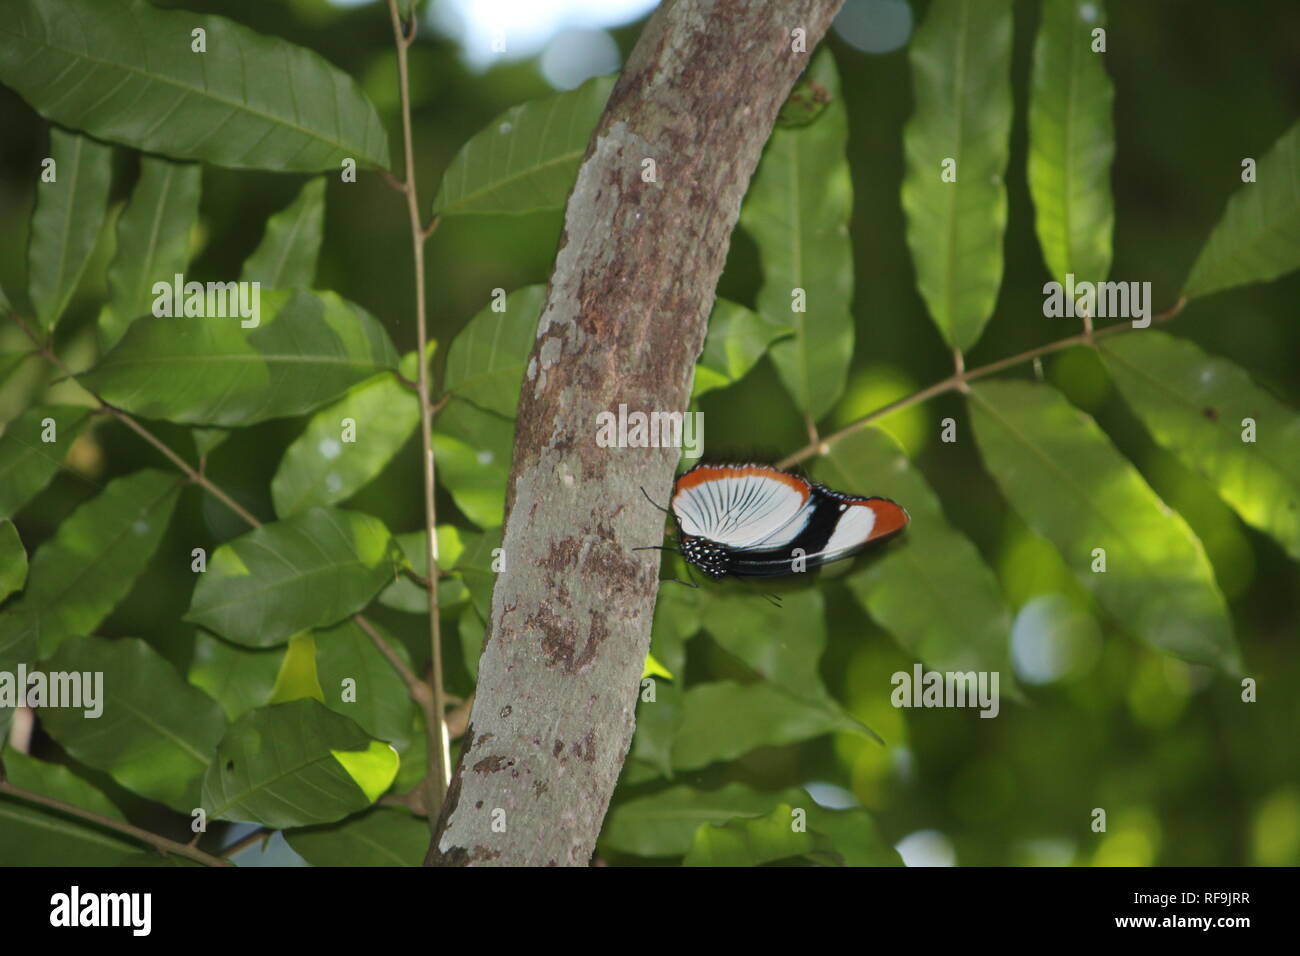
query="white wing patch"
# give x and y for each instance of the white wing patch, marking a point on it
(855, 526)
(742, 511)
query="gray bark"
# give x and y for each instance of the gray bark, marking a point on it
(624, 322)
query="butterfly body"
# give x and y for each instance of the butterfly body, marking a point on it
(759, 521)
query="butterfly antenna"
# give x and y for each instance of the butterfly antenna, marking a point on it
(686, 584)
(774, 599)
(693, 584)
(653, 502)
(659, 547)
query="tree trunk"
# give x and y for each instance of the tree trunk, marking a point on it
(624, 322)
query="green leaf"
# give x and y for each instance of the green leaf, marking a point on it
(755, 841)
(155, 735)
(9, 361)
(1071, 142)
(311, 570)
(829, 837)
(491, 436)
(410, 597)
(782, 644)
(27, 462)
(657, 724)
(472, 631)
(384, 836)
(238, 678)
(475, 567)
(853, 836)
(286, 256)
(31, 835)
(798, 210)
(297, 677)
(485, 364)
(207, 440)
(78, 576)
(69, 212)
(930, 587)
(527, 158)
(677, 619)
(153, 241)
(961, 77)
(738, 337)
(345, 445)
(654, 668)
(664, 823)
(125, 71)
(13, 560)
(1258, 238)
(278, 766)
(374, 695)
(158, 860)
(307, 350)
(1195, 405)
(475, 478)
(1070, 484)
(724, 720)
(450, 545)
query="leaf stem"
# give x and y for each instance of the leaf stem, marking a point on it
(160, 843)
(959, 380)
(439, 759)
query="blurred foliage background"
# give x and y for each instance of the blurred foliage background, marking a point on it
(1188, 774)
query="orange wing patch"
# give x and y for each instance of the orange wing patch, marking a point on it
(890, 517)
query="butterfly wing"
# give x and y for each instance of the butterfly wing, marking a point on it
(832, 526)
(739, 506)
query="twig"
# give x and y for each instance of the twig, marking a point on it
(160, 843)
(960, 378)
(458, 718)
(416, 576)
(417, 688)
(393, 181)
(193, 474)
(439, 762)
(260, 835)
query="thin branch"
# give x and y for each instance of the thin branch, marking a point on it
(417, 688)
(260, 835)
(959, 380)
(417, 577)
(458, 718)
(439, 756)
(393, 181)
(193, 474)
(160, 843)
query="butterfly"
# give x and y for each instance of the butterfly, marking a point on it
(759, 521)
